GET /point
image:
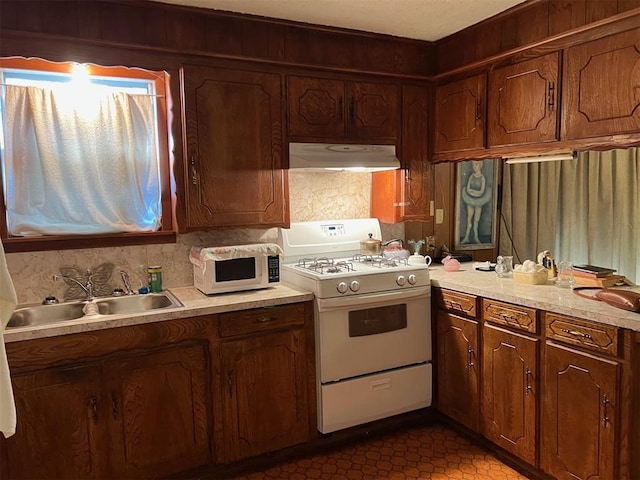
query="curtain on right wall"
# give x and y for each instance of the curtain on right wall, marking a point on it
(585, 210)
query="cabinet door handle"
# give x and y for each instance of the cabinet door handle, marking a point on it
(576, 333)
(114, 405)
(230, 383)
(527, 375)
(352, 109)
(94, 407)
(478, 110)
(341, 108)
(551, 90)
(194, 171)
(470, 363)
(605, 415)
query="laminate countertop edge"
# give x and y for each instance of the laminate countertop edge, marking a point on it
(195, 304)
(545, 297)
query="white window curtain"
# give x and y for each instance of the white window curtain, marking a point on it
(585, 210)
(80, 161)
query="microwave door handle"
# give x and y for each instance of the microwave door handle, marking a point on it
(340, 303)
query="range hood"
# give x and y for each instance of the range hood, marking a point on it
(331, 156)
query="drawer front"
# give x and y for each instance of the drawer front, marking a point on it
(260, 319)
(593, 336)
(457, 302)
(516, 316)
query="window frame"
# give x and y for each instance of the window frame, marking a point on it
(167, 232)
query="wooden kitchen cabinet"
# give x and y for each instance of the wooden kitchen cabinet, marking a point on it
(87, 409)
(601, 85)
(328, 109)
(234, 169)
(523, 102)
(403, 195)
(580, 414)
(162, 395)
(510, 391)
(266, 398)
(460, 115)
(58, 433)
(458, 382)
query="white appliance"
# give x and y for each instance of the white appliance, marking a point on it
(372, 322)
(235, 268)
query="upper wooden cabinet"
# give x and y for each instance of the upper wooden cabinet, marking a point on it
(459, 115)
(523, 102)
(335, 109)
(233, 169)
(403, 195)
(602, 87)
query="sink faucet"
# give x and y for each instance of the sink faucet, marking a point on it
(87, 286)
(127, 283)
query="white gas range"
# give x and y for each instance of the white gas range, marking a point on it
(372, 322)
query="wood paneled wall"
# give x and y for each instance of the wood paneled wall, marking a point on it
(522, 25)
(206, 32)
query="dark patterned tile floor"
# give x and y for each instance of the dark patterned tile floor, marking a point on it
(433, 452)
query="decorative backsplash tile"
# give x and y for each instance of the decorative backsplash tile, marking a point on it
(313, 196)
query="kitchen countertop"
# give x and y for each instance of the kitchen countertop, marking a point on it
(544, 297)
(195, 304)
(485, 284)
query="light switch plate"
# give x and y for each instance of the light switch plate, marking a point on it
(439, 215)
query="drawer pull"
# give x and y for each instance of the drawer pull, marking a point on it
(509, 318)
(605, 417)
(451, 305)
(575, 333)
(265, 319)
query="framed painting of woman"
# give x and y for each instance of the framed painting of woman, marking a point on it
(476, 204)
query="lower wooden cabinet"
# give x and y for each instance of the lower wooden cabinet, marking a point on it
(580, 415)
(458, 385)
(138, 416)
(265, 402)
(509, 390)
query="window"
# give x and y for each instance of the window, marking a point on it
(84, 154)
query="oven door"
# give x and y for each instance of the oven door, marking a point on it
(368, 333)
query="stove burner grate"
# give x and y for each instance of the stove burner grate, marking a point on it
(325, 265)
(379, 261)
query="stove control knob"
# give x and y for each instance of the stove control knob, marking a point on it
(343, 287)
(401, 280)
(412, 279)
(355, 286)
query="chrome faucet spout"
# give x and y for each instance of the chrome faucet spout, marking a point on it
(87, 286)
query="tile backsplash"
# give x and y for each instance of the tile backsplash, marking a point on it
(313, 196)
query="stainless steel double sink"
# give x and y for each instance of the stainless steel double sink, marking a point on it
(61, 312)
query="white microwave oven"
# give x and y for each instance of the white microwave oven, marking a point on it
(235, 268)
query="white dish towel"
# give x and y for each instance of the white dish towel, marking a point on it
(8, 302)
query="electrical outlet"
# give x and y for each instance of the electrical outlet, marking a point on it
(430, 241)
(439, 216)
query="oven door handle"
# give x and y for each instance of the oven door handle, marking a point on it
(368, 299)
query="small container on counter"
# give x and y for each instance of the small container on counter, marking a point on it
(154, 274)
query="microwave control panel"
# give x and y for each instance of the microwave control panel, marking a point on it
(273, 264)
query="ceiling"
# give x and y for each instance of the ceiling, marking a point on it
(428, 20)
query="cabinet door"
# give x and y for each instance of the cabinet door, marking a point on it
(59, 434)
(372, 110)
(316, 107)
(403, 195)
(158, 417)
(265, 404)
(458, 383)
(459, 112)
(523, 102)
(602, 87)
(579, 416)
(509, 391)
(233, 154)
